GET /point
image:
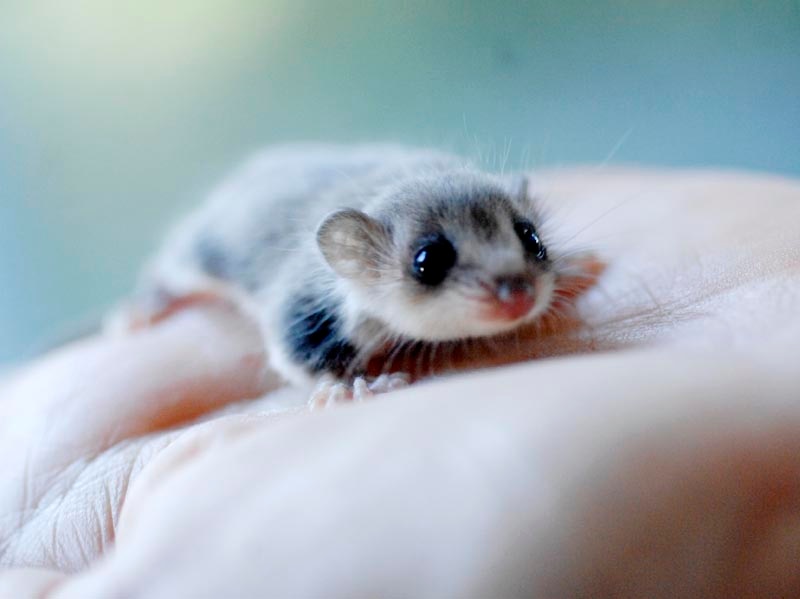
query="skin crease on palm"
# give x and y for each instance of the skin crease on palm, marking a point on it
(654, 454)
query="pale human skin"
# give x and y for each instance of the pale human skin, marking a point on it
(656, 457)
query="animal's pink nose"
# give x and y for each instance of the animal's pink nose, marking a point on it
(513, 298)
(510, 288)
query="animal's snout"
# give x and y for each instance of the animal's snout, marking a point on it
(512, 289)
(513, 297)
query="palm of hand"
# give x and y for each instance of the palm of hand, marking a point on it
(100, 443)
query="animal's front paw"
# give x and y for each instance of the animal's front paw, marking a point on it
(364, 389)
(330, 391)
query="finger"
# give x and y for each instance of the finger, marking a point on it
(101, 391)
(76, 427)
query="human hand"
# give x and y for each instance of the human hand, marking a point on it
(79, 425)
(666, 468)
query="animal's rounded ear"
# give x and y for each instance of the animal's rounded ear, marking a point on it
(353, 243)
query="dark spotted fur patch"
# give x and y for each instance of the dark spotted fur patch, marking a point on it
(313, 336)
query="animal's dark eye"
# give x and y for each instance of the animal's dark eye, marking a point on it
(433, 259)
(530, 239)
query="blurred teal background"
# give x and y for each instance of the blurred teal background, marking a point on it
(117, 116)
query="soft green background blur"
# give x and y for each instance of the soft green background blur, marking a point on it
(117, 115)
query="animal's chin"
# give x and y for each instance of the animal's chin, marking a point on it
(488, 323)
(497, 323)
(470, 327)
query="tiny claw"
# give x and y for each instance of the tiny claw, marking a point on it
(339, 394)
(321, 393)
(361, 391)
(389, 382)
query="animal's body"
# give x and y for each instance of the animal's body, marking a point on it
(344, 253)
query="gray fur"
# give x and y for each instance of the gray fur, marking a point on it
(267, 235)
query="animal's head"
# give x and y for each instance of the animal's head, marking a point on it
(448, 256)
